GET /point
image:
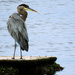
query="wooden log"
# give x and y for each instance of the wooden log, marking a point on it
(27, 60)
(29, 64)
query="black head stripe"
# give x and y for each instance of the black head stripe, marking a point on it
(24, 5)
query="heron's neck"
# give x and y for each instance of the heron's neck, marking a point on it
(24, 16)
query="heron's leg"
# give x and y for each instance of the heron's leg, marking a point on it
(20, 53)
(14, 50)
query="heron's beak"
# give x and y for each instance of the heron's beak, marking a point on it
(30, 9)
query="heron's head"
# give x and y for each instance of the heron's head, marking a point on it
(24, 7)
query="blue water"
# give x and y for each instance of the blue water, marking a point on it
(51, 31)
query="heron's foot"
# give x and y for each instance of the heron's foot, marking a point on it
(13, 58)
(20, 57)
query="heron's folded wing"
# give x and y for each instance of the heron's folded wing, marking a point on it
(15, 26)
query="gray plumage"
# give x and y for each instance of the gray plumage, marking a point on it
(18, 31)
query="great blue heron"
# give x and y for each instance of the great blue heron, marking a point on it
(17, 27)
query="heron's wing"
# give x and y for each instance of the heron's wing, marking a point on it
(17, 27)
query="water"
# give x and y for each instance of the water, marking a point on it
(51, 31)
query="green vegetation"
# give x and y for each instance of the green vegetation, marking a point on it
(50, 68)
(42, 69)
(8, 71)
(55, 67)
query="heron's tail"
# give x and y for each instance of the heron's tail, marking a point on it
(23, 41)
(24, 46)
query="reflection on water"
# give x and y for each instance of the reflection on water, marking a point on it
(51, 31)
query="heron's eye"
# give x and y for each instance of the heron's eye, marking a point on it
(21, 9)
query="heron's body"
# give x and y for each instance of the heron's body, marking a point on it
(18, 31)
(17, 27)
